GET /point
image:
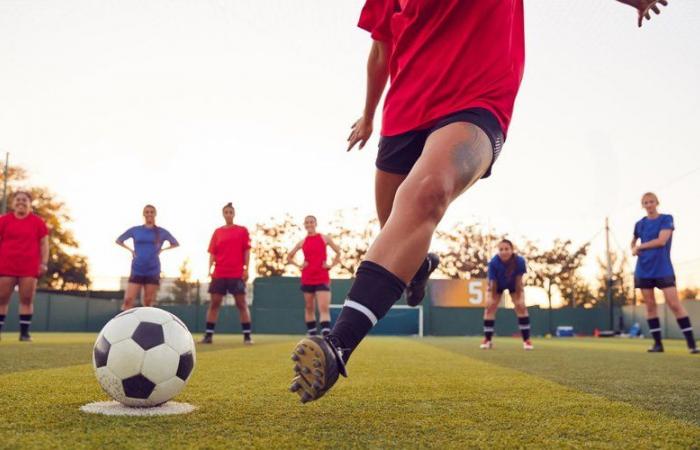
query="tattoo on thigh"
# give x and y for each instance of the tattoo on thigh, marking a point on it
(472, 156)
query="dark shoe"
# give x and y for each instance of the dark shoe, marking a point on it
(25, 338)
(207, 339)
(317, 365)
(656, 348)
(415, 291)
(694, 351)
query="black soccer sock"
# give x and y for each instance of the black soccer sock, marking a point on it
(655, 329)
(311, 328)
(488, 328)
(423, 270)
(371, 296)
(687, 329)
(2, 321)
(524, 325)
(25, 320)
(210, 328)
(325, 327)
(245, 327)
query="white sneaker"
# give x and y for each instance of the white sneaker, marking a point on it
(486, 344)
(527, 345)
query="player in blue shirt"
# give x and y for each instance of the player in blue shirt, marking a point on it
(148, 240)
(506, 271)
(654, 270)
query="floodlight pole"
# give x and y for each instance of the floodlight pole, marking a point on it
(3, 208)
(608, 279)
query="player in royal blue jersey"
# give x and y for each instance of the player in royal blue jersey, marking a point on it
(654, 270)
(506, 272)
(148, 240)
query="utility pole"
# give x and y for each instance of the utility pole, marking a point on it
(608, 278)
(3, 208)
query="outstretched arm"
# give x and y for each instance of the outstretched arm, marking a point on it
(644, 8)
(377, 75)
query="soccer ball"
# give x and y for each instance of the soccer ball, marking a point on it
(144, 357)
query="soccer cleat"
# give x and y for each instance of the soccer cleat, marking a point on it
(317, 364)
(486, 344)
(248, 342)
(527, 345)
(207, 339)
(656, 348)
(415, 291)
(25, 338)
(694, 351)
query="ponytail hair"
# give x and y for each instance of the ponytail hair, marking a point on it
(228, 205)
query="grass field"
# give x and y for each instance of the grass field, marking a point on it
(402, 393)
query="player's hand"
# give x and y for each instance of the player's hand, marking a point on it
(361, 131)
(245, 275)
(645, 7)
(635, 251)
(43, 268)
(326, 266)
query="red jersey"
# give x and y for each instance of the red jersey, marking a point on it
(228, 246)
(447, 56)
(315, 256)
(20, 245)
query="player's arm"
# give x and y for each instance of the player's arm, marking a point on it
(292, 254)
(172, 242)
(211, 263)
(519, 288)
(121, 239)
(644, 8)
(246, 259)
(44, 251)
(377, 76)
(336, 250)
(664, 236)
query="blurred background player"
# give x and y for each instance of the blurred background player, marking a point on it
(506, 272)
(443, 126)
(147, 241)
(229, 256)
(315, 278)
(654, 270)
(24, 255)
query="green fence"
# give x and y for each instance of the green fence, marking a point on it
(669, 327)
(278, 308)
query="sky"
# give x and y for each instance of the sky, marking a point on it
(191, 104)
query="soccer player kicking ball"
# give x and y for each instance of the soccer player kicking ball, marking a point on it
(455, 69)
(654, 270)
(24, 255)
(506, 271)
(229, 256)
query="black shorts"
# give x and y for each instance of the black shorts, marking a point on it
(311, 288)
(651, 283)
(144, 279)
(221, 286)
(511, 289)
(397, 154)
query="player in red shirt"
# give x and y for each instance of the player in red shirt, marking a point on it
(24, 255)
(315, 280)
(229, 256)
(455, 68)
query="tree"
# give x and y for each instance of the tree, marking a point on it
(67, 269)
(576, 291)
(689, 293)
(271, 244)
(184, 289)
(354, 237)
(465, 251)
(622, 289)
(555, 268)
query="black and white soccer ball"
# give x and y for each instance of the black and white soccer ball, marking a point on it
(144, 357)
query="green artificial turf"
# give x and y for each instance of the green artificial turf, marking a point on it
(402, 393)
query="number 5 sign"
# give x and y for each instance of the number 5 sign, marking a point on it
(459, 293)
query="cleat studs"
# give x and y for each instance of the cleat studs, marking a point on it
(297, 368)
(318, 373)
(305, 370)
(294, 387)
(300, 350)
(295, 357)
(306, 397)
(317, 363)
(317, 385)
